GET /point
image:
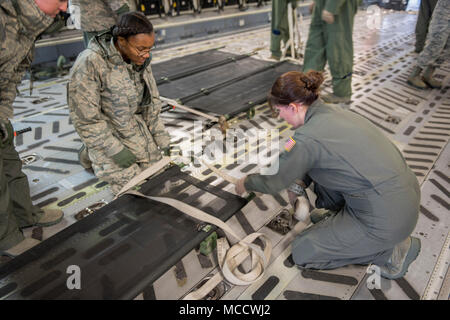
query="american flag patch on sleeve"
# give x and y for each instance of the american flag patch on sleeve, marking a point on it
(289, 144)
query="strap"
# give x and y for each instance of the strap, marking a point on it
(224, 176)
(229, 258)
(180, 106)
(189, 210)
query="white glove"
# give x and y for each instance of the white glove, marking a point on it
(301, 208)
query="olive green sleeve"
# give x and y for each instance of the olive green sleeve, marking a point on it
(293, 165)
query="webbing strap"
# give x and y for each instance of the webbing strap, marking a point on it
(221, 174)
(229, 258)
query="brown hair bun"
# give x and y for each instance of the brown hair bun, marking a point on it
(295, 86)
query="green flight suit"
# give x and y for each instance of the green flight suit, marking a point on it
(332, 43)
(21, 22)
(358, 172)
(279, 26)
(423, 21)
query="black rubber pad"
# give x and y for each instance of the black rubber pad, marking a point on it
(266, 288)
(217, 91)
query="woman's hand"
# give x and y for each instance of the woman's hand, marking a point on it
(239, 187)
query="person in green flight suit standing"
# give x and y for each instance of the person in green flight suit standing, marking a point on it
(330, 39)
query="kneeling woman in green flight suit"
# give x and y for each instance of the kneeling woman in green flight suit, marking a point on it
(371, 194)
(114, 102)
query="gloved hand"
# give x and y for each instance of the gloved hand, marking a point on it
(6, 132)
(327, 16)
(166, 152)
(124, 158)
(239, 187)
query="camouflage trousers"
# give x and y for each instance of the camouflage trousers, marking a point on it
(423, 21)
(437, 48)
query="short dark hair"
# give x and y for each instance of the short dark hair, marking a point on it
(295, 86)
(130, 24)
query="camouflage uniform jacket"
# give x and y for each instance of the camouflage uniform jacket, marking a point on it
(112, 105)
(18, 33)
(98, 15)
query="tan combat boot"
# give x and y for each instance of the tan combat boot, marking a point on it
(415, 80)
(21, 247)
(428, 78)
(83, 157)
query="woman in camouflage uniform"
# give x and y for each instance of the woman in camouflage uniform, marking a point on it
(114, 103)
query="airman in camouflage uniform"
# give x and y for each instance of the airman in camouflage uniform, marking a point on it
(99, 15)
(330, 39)
(436, 50)
(21, 22)
(114, 104)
